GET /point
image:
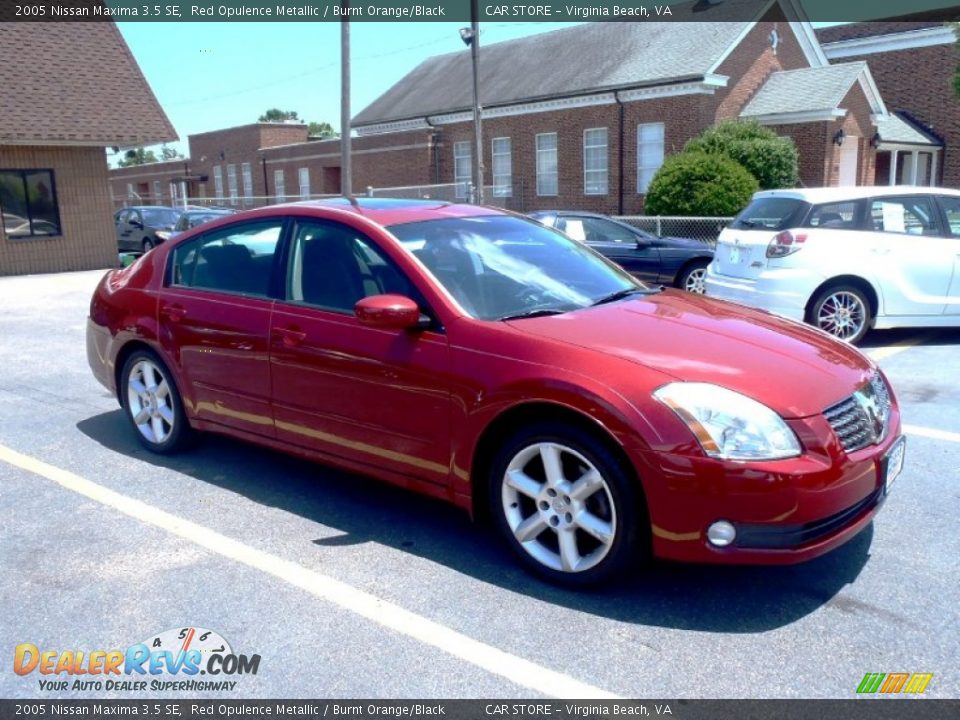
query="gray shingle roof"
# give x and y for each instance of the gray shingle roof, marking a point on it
(804, 90)
(585, 58)
(74, 83)
(894, 129)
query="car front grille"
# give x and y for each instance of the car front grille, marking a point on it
(861, 419)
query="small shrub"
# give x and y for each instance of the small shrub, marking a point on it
(771, 159)
(697, 183)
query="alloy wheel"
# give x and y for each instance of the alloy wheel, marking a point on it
(842, 314)
(150, 402)
(559, 507)
(695, 281)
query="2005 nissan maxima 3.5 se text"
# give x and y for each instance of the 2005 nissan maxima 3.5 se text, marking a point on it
(477, 356)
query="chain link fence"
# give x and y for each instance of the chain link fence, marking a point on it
(704, 229)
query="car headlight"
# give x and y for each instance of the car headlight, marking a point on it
(729, 425)
(163, 235)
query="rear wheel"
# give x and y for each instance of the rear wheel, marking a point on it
(152, 403)
(563, 504)
(693, 277)
(843, 311)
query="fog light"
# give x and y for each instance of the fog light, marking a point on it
(721, 533)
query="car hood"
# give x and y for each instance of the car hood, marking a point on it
(793, 369)
(685, 243)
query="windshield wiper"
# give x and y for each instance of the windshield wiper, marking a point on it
(621, 294)
(536, 312)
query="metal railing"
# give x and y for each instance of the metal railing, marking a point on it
(704, 229)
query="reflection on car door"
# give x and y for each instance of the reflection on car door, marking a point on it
(373, 396)
(910, 253)
(215, 321)
(616, 243)
(951, 212)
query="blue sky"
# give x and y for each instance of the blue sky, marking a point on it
(209, 76)
(215, 75)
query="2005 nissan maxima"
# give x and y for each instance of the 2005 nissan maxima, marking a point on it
(479, 357)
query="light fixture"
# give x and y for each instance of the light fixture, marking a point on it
(838, 137)
(875, 140)
(466, 34)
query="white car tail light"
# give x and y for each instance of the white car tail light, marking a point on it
(785, 243)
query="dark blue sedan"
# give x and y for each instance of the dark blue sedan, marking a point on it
(679, 262)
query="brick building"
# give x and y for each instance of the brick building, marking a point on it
(570, 123)
(59, 110)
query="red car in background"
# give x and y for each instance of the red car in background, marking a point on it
(479, 357)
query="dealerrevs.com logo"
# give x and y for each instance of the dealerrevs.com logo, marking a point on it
(172, 660)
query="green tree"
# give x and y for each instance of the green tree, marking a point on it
(771, 159)
(699, 183)
(137, 156)
(277, 115)
(322, 130)
(169, 153)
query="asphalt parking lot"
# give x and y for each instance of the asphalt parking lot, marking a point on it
(349, 588)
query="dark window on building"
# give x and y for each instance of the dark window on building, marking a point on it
(28, 203)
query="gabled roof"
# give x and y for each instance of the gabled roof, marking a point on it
(811, 91)
(74, 84)
(587, 58)
(899, 130)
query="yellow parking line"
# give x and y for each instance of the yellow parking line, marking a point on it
(882, 353)
(486, 657)
(932, 433)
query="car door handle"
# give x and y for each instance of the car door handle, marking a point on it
(881, 251)
(174, 313)
(291, 336)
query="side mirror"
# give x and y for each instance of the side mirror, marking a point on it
(137, 224)
(390, 312)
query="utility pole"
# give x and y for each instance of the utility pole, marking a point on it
(477, 110)
(346, 175)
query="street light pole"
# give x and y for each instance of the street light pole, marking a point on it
(477, 110)
(346, 174)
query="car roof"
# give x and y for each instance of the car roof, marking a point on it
(395, 211)
(835, 194)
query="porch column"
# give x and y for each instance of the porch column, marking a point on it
(893, 167)
(933, 168)
(913, 168)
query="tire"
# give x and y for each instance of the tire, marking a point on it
(693, 276)
(842, 311)
(147, 244)
(568, 540)
(152, 404)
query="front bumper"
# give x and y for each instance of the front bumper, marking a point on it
(782, 292)
(785, 511)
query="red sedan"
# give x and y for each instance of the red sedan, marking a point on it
(482, 358)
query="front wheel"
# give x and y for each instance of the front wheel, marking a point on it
(843, 311)
(693, 278)
(564, 505)
(147, 244)
(152, 403)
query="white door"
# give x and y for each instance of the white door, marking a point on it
(912, 258)
(951, 209)
(848, 161)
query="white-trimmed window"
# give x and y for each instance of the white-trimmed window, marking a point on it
(547, 178)
(462, 168)
(130, 192)
(232, 183)
(595, 161)
(279, 189)
(502, 167)
(157, 194)
(304, 174)
(247, 175)
(649, 153)
(218, 182)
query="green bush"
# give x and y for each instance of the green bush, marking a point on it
(771, 159)
(697, 183)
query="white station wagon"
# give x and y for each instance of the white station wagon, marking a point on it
(845, 259)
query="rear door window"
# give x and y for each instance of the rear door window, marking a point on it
(771, 213)
(912, 215)
(951, 210)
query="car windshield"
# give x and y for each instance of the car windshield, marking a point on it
(771, 213)
(160, 217)
(500, 267)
